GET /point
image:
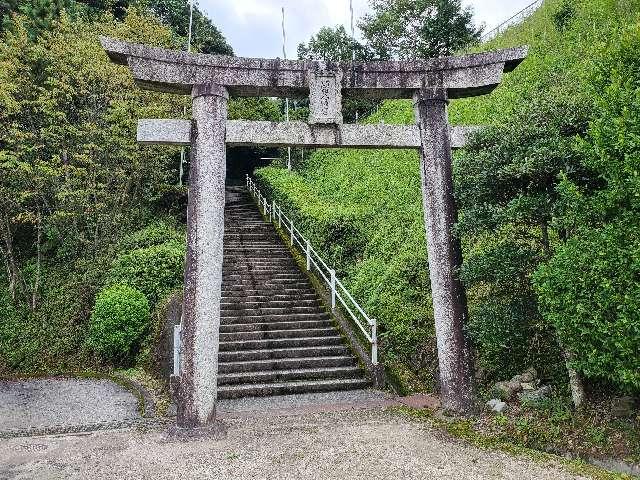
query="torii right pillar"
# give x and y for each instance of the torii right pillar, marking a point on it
(444, 249)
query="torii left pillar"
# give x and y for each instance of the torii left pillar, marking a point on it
(197, 388)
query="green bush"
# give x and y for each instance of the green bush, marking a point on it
(118, 323)
(157, 233)
(155, 270)
(590, 292)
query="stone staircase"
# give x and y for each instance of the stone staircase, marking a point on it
(275, 336)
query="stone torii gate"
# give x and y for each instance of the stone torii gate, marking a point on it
(211, 79)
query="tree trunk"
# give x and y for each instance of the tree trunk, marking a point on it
(36, 282)
(16, 283)
(575, 381)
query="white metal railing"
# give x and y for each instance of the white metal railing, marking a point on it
(514, 20)
(367, 325)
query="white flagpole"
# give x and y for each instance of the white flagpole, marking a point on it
(191, 25)
(184, 110)
(286, 101)
(353, 43)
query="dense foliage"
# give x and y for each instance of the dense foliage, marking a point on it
(155, 270)
(40, 15)
(542, 191)
(590, 290)
(73, 182)
(418, 28)
(118, 322)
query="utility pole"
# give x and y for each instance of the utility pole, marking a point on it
(353, 45)
(286, 100)
(184, 110)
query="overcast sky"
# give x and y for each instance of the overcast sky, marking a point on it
(253, 27)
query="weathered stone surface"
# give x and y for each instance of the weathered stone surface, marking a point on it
(177, 72)
(534, 396)
(514, 386)
(164, 132)
(497, 405)
(502, 391)
(325, 95)
(527, 377)
(282, 134)
(203, 272)
(624, 407)
(444, 251)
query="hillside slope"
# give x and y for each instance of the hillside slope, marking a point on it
(363, 208)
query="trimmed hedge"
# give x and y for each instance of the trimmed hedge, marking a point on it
(118, 323)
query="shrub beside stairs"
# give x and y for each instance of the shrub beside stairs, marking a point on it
(276, 337)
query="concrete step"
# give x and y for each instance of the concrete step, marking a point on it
(290, 317)
(287, 364)
(278, 326)
(240, 292)
(243, 336)
(268, 303)
(237, 299)
(272, 353)
(279, 376)
(253, 274)
(287, 388)
(265, 288)
(280, 270)
(266, 311)
(280, 343)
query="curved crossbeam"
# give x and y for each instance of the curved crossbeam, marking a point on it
(177, 72)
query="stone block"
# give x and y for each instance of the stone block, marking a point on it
(497, 405)
(325, 94)
(534, 396)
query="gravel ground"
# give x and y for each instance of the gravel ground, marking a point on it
(371, 444)
(51, 403)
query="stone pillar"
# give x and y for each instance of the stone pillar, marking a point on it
(197, 390)
(445, 256)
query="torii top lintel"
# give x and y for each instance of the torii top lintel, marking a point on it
(177, 72)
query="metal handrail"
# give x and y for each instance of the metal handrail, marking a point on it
(339, 293)
(515, 19)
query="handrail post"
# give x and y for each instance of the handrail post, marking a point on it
(177, 329)
(374, 342)
(247, 179)
(333, 289)
(279, 217)
(273, 210)
(308, 256)
(292, 232)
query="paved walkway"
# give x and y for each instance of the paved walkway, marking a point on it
(340, 435)
(57, 404)
(371, 444)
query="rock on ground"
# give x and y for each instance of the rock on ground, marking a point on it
(373, 444)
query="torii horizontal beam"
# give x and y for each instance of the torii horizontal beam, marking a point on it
(284, 134)
(177, 72)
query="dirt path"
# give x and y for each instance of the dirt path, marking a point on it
(371, 444)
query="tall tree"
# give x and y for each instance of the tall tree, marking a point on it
(418, 28)
(206, 36)
(333, 44)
